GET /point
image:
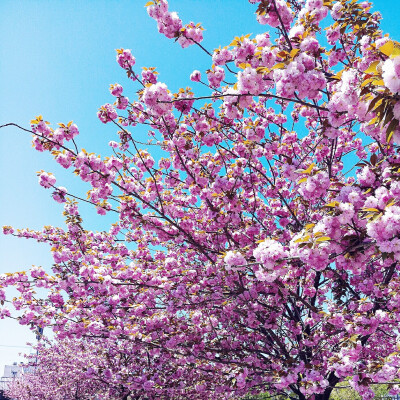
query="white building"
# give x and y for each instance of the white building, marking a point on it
(10, 372)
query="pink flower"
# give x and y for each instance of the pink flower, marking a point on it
(125, 58)
(241, 380)
(149, 76)
(121, 103)
(101, 210)
(148, 385)
(268, 252)
(67, 132)
(113, 144)
(46, 180)
(222, 56)
(195, 76)
(249, 81)
(263, 40)
(157, 98)
(200, 388)
(116, 89)
(184, 106)
(396, 110)
(366, 177)
(64, 159)
(268, 57)
(190, 34)
(215, 76)
(8, 230)
(310, 45)
(234, 259)
(336, 11)
(391, 74)
(59, 194)
(271, 17)
(107, 113)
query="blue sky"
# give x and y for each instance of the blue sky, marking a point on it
(57, 59)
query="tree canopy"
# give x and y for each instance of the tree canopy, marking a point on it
(261, 252)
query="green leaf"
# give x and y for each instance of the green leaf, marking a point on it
(294, 52)
(378, 82)
(353, 339)
(389, 117)
(374, 102)
(278, 66)
(323, 239)
(302, 239)
(332, 204)
(308, 170)
(391, 129)
(396, 50)
(372, 68)
(387, 48)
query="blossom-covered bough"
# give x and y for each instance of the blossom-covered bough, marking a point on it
(261, 253)
(100, 368)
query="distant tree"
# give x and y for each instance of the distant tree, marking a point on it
(103, 369)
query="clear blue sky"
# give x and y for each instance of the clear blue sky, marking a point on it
(57, 59)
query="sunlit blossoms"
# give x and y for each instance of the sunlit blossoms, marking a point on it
(125, 59)
(391, 74)
(46, 180)
(157, 98)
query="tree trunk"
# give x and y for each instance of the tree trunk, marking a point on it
(325, 395)
(333, 380)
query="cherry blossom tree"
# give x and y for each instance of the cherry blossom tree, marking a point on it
(106, 369)
(58, 372)
(261, 252)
